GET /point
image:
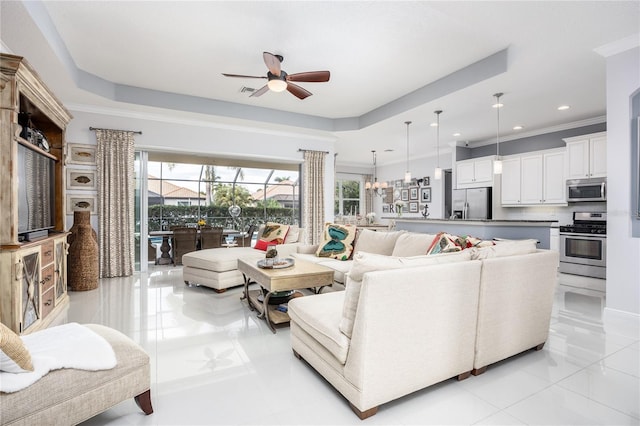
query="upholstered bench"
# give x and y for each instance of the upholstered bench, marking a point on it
(70, 396)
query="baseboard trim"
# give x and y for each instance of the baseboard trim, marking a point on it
(620, 322)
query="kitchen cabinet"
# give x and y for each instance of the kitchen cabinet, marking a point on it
(533, 179)
(474, 173)
(587, 156)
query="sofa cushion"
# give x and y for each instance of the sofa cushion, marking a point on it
(319, 316)
(273, 233)
(412, 244)
(293, 236)
(14, 355)
(340, 269)
(220, 259)
(504, 248)
(367, 262)
(337, 241)
(377, 242)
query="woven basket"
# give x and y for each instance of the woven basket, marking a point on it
(82, 261)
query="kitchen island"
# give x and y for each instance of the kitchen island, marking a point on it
(485, 229)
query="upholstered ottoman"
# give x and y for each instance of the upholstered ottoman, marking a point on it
(217, 267)
(69, 396)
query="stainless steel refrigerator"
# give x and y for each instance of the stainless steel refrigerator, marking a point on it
(472, 203)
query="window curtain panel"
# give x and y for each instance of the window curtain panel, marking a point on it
(115, 176)
(368, 196)
(314, 195)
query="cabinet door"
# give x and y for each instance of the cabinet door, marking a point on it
(60, 270)
(483, 171)
(554, 185)
(598, 157)
(578, 159)
(511, 181)
(531, 179)
(464, 172)
(30, 288)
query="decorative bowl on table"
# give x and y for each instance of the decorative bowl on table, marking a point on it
(287, 262)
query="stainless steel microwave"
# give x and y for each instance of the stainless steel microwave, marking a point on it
(586, 190)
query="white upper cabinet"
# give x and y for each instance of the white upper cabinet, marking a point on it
(587, 156)
(474, 173)
(533, 179)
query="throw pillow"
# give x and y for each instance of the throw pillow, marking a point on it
(14, 356)
(337, 241)
(293, 235)
(273, 233)
(443, 243)
(367, 262)
(376, 242)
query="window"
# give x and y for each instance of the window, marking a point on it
(347, 197)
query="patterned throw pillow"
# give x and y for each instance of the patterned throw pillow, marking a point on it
(14, 356)
(337, 241)
(273, 233)
(444, 243)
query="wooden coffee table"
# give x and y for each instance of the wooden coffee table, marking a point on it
(301, 275)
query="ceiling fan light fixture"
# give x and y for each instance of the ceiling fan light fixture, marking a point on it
(277, 85)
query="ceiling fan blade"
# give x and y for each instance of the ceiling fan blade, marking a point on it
(311, 76)
(261, 91)
(273, 62)
(243, 76)
(298, 91)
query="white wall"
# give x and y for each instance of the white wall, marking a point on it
(623, 251)
(420, 167)
(202, 137)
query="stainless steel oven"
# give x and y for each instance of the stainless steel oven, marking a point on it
(583, 245)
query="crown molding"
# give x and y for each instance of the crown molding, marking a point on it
(619, 46)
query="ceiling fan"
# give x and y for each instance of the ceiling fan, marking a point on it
(279, 80)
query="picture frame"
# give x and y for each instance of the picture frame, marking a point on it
(413, 207)
(385, 208)
(388, 196)
(413, 193)
(82, 202)
(426, 181)
(81, 154)
(404, 194)
(398, 183)
(81, 179)
(425, 195)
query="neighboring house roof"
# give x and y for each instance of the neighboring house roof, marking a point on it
(170, 190)
(280, 191)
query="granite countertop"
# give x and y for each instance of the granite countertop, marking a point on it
(476, 221)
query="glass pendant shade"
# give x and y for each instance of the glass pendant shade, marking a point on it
(407, 176)
(277, 85)
(497, 166)
(497, 163)
(437, 174)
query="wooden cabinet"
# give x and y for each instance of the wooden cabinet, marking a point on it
(474, 173)
(33, 285)
(533, 179)
(587, 156)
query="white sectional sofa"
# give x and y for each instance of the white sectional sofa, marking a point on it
(405, 323)
(217, 268)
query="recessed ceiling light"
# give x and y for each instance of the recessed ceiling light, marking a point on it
(456, 134)
(518, 127)
(563, 107)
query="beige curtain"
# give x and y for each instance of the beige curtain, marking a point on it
(368, 196)
(313, 195)
(114, 160)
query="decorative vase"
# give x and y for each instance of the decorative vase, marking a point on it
(399, 210)
(82, 260)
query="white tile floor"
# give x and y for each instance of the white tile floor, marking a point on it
(214, 362)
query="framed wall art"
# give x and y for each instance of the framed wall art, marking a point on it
(404, 194)
(82, 202)
(81, 154)
(81, 179)
(413, 193)
(413, 207)
(425, 195)
(425, 181)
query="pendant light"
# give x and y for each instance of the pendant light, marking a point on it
(437, 174)
(407, 174)
(377, 187)
(497, 163)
